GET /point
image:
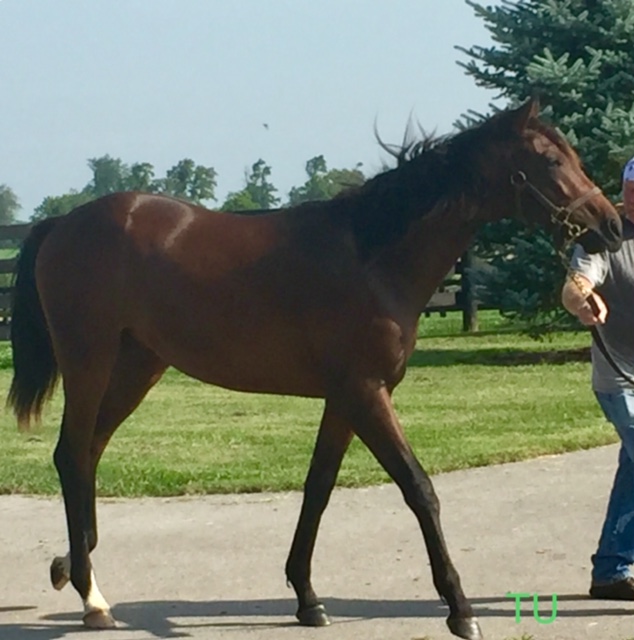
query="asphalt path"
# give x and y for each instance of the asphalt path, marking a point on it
(213, 567)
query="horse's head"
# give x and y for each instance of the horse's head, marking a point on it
(535, 165)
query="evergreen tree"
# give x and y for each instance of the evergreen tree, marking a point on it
(577, 55)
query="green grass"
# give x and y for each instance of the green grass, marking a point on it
(467, 400)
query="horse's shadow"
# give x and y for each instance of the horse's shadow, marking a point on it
(169, 618)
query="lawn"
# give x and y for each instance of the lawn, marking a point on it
(467, 400)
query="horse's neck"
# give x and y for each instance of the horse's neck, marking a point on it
(419, 262)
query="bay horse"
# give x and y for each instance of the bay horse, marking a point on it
(319, 300)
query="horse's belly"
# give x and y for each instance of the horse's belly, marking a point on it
(284, 379)
(259, 364)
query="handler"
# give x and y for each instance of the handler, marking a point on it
(607, 280)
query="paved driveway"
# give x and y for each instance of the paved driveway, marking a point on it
(213, 567)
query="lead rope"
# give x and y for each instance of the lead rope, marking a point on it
(594, 330)
(588, 297)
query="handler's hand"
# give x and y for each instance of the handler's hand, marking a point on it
(594, 311)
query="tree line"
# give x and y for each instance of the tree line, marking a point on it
(189, 181)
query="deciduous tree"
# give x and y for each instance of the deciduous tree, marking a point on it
(9, 205)
(323, 184)
(258, 193)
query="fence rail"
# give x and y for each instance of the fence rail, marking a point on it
(452, 295)
(15, 231)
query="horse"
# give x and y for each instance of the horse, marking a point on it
(318, 300)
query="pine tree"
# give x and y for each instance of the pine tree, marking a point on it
(578, 56)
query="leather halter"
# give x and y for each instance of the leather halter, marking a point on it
(560, 215)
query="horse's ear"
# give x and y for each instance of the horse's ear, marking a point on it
(520, 117)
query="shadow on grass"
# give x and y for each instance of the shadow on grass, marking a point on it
(502, 357)
(177, 618)
(457, 334)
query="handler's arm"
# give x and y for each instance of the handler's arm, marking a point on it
(579, 298)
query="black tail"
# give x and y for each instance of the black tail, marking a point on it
(35, 370)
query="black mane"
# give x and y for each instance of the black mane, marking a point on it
(452, 171)
(429, 170)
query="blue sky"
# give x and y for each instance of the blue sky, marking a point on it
(161, 80)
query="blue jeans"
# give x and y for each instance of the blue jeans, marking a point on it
(615, 552)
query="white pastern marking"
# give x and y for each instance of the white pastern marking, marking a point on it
(95, 601)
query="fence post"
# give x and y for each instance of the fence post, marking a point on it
(467, 295)
(11, 234)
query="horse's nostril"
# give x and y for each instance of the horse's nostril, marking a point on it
(615, 228)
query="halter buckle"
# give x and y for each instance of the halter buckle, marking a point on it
(519, 179)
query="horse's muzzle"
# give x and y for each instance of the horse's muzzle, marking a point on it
(608, 236)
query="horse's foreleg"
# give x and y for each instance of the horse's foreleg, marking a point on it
(332, 442)
(378, 427)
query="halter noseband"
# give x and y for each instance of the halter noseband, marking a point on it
(559, 215)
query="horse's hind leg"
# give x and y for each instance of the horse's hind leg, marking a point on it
(332, 443)
(375, 422)
(136, 370)
(85, 382)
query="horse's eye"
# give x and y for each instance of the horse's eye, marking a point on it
(554, 162)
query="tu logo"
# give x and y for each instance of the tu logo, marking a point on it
(518, 615)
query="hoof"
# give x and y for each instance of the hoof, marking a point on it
(314, 616)
(99, 619)
(59, 575)
(467, 628)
